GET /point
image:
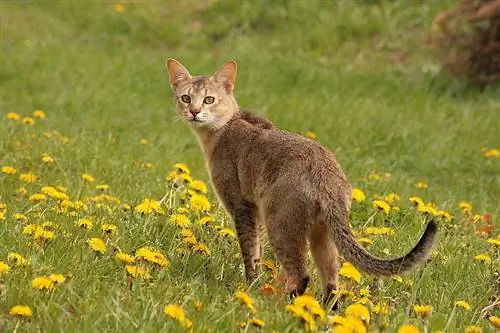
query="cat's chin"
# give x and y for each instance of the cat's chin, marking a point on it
(197, 123)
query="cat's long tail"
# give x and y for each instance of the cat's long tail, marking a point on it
(354, 253)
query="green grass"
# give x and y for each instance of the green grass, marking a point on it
(308, 66)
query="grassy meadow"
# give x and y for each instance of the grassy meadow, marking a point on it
(107, 219)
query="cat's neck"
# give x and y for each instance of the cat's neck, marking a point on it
(208, 138)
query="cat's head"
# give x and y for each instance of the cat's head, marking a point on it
(206, 102)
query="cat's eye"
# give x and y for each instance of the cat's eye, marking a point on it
(209, 100)
(186, 99)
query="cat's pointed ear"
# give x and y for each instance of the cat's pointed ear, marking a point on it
(226, 75)
(176, 71)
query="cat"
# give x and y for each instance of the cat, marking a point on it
(290, 185)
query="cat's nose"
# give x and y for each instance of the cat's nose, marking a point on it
(194, 112)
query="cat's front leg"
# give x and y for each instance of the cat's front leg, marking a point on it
(248, 237)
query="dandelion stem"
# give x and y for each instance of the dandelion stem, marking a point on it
(450, 318)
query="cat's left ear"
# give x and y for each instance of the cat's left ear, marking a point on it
(226, 75)
(176, 71)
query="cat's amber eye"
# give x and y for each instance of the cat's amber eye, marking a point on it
(186, 99)
(209, 100)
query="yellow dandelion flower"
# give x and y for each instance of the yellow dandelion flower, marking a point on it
(180, 220)
(256, 322)
(495, 321)
(336, 320)
(109, 228)
(205, 220)
(87, 178)
(57, 278)
(201, 248)
(125, 257)
(381, 205)
(149, 206)
(311, 304)
(444, 215)
(13, 116)
(186, 178)
(46, 158)
(39, 114)
(379, 231)
(427, 209)
(28, 178)
(473, 329)
(364, 292)
(417, 201)
(190, 240)
(21, 310)
(182, 210)
(42, 282)
(181, 168)
(102, 187)
(245, 299)
(18, 259)
(465, 206)
(198, 305)
(491, 153)
(349, 271)
(143, 141)
(365, 241)
(43, 234)
(358, 195)
(360, 311)
(483, 257)
(97, 245)
(463, 304)
(177, 313)
(226, 232)
(363, 300)
(199, 186)
(354, 324)
(374, 176)
(299, 312)
(185, 195)
(147, 165)
(423, 310)
(28, 121)
(408, 328)
(172, 176)
(119, 8)
(37, 197)
(29, 229)
(199, 203)
(397, 278)
(186, 233)
(20, 217)
(54, 193)
(4, 268)
(311, 135)
(126, 207)
(8, 170)
(421, 185)
(380, 308)
(151, 256)
(392, 198)
(494, 242)
(137, 271)
(84, 223)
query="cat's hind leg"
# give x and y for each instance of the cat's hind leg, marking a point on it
(325, 255)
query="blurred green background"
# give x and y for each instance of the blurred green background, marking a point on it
(355, 72)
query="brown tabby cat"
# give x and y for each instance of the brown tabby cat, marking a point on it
(277, 180)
